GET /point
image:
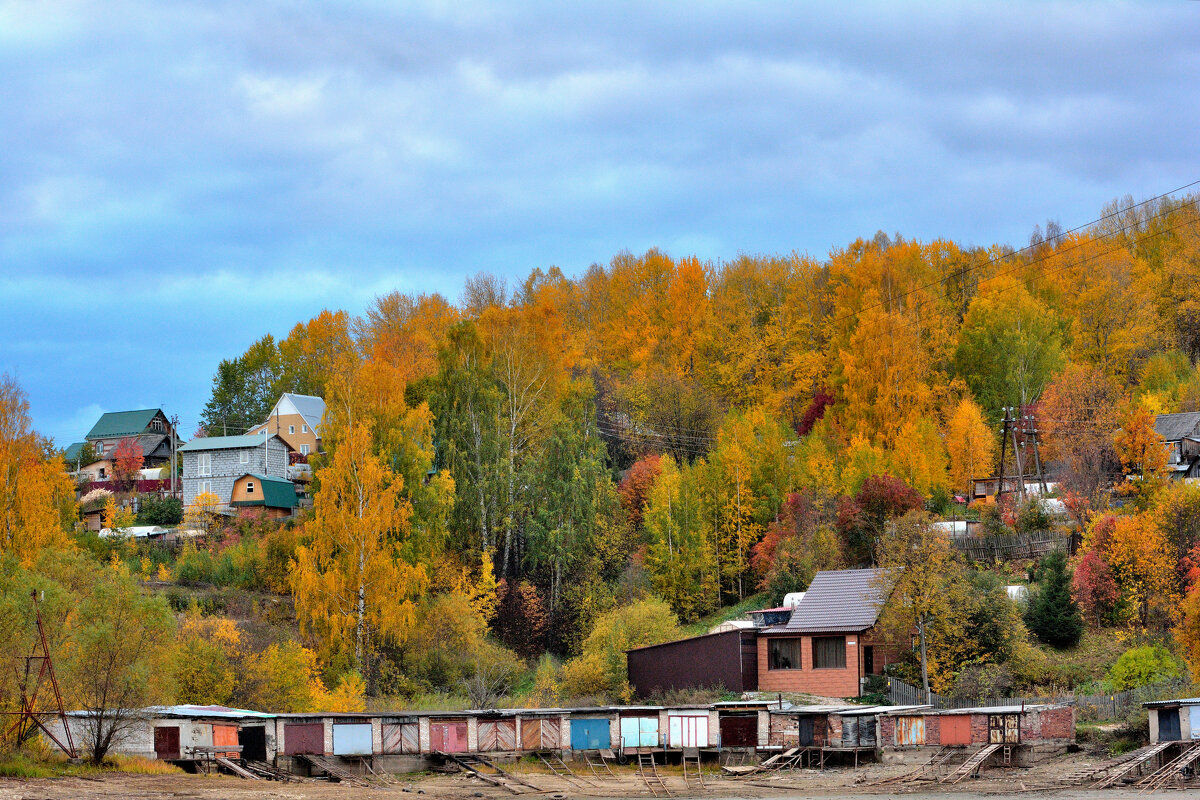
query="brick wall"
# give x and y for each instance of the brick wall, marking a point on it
(933, 729)
(826, 682)
(887, 730)
(1058, 723)
(785, 731)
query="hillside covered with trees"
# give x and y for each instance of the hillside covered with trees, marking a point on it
(518, 486)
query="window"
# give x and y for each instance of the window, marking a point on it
(304, 429)
(291, 428)
(205, 487)
(829, 652)
(249, 487)
(244, 457)
(783, 654)
(204, 464)
(303, 449)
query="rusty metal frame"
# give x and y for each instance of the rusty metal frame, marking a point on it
(28, 717)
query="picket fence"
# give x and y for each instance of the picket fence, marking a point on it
(1088, 706)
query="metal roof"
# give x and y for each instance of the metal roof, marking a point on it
(122, 423)
(72, 451)
(224, 443)
(191, 712)
(839, 601)
(1172, 427)
(1183, 701)
(276, 492)
(311, 407)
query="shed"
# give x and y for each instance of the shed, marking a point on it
(186, 732)
(1174, 720)
(1037, 730)
(277, 496)
(727, 659)
(640, 728)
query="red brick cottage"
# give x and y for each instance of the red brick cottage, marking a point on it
(829, 644)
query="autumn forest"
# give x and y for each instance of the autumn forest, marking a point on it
(519, 485)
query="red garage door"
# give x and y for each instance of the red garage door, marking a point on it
(956, 729)
(304, 738)
(448, 737)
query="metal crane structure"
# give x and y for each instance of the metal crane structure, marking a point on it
(38, 669)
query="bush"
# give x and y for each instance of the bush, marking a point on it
(160, 511)
(1142, 666)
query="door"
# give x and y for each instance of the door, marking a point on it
(805, 730)
(1168, 725)
(630, 732)
(739, 730)
(866, 731)
(687, 730)
(226, 735)
(497, 735)
(910, 731)
(956, 729)
(850, 731)
(254, 743)
(541, 733)
(401, 737)
(868, 660)
(166, 742)
(648, 732)
(1006, 729)
(304, 738)
(352, 739)
(1194, 717)
(590, 734)
(448, 737)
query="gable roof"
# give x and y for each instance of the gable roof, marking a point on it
(276, 492)
(72, 452)
(122, 423)
(839, 601)
(224, 443)
(1172, 427)
(309, 406)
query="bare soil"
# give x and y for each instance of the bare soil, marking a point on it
(839, 782)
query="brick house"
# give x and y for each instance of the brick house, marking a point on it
(214, 463)
(829, 642)
(296, 418)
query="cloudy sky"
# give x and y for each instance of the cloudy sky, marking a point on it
(179, 178)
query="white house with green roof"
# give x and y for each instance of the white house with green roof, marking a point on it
(213, 463)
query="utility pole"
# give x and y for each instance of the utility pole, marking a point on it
(1019, 460)
(1003, 445)
(174, 438)
(1037, 458)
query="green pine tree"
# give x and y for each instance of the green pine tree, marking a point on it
(1052, 616)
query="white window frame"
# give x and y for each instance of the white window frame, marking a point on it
(291, 428)
(304, 429)
(244, 457)
(249, 487)
(303, 449)
(205, 488)
(204, 465)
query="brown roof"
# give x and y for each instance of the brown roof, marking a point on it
(839, 601)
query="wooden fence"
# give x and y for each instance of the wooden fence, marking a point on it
(1011, 546)
(1088, 706)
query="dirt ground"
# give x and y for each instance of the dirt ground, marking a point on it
(627, 784)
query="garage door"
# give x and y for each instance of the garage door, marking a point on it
(497, 735)
(166, 742)
(590, 733)
(225, 735)
(956, 729)
(352, 739)
(401, 737)
(910, 731)
(448, 736)
(739, 730)
(304, 738)
(541, 733)
(687, 730)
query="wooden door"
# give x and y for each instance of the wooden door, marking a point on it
(956, 729)
(739, 730)
(497, 735)
(1006, 729)
(401, 737)
(166, 742)
(804, 728)
(225, 735)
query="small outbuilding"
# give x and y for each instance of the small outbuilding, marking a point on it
(1174, 720)
(716, 660)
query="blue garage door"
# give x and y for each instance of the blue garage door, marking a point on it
(590, 734)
